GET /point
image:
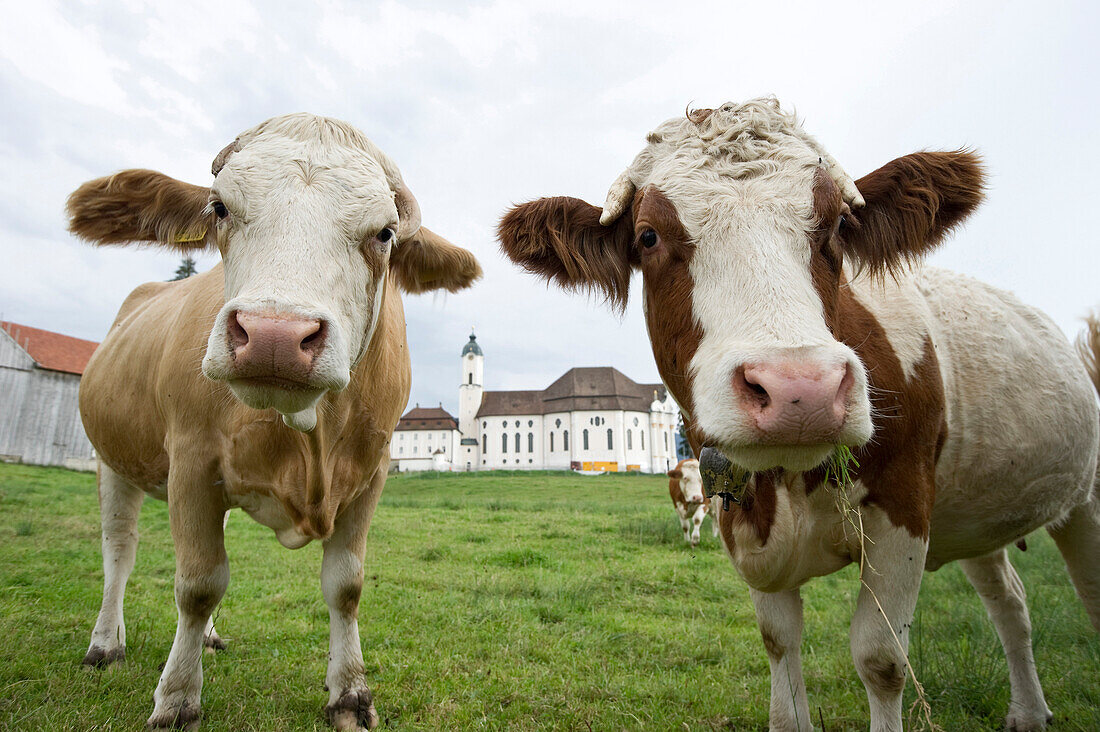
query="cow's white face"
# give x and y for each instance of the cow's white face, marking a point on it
(305, 221)
(736, 256)
(691, 482)
(312, 221)
(768, 382)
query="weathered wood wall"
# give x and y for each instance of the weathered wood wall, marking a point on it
(39, 415)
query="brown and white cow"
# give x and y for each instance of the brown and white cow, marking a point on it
(271, 383)
(788, 315)
(685, 487)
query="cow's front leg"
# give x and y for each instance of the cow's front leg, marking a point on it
(350, 704)
(697, 522)
(119, 504)
(195, 511)
(891, 576)
(685, 524)
(779, 616)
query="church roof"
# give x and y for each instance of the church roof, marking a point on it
(510, 402)
(577, 389)
(51, 350)
(427, 418)
(472, 347)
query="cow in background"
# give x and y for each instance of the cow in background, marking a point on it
(685, 487)
(792, 321)
(271, 383)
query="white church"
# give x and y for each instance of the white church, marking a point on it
(590, 419)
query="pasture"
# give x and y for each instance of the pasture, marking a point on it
(493, 601)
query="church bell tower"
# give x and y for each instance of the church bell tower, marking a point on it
(470, 388)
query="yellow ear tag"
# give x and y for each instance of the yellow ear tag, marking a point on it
(184, 238)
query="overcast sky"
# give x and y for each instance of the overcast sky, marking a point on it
(489, 104)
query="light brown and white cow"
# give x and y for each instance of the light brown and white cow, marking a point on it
(685, 487)
(788, 315)
(271, 383)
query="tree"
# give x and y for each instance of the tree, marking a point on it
(186, 269)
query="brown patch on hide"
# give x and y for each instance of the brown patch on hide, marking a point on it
(199, 603)
(826, 259)
(141, 206)
(757, 509)
(674, 333)
(883, 674)
(561, 240)
(898, 466)
(775, 649)
(912, 204)
(347, 599)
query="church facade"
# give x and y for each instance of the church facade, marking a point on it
(590, 419)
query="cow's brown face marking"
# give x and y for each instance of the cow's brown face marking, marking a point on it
(668, 289)
(826, 258)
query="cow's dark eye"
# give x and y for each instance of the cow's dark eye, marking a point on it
(648, 238)
(843, 221)
(219, 209)
(385, 235)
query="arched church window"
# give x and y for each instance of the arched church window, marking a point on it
(484, 442)
(665, 435)
(517, 442)
(629, 440)
(635, 421)
(504, 443)
(504, 424)
(517, 423)
(469, 378)
(530, 423)
(584, 439)
(643, 439)
(551, 442)
(557, 423)
(484, 424)
(530, 442)
(610, 446)
(565, 440)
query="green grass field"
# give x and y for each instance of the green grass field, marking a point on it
(492, 601)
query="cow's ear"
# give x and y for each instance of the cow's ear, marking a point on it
(142, 206)
(426, 261)
(676, 473)
(912, 204)
(562, 240)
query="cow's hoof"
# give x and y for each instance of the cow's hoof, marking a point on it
(186, 717)
(97, 657)
(1028, 720)
(353, 711)
(213, 642)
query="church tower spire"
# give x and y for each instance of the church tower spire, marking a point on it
(471, 387)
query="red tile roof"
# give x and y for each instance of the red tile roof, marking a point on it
(427, 418)
(51, 350)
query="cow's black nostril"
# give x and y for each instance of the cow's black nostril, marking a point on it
(238, 336)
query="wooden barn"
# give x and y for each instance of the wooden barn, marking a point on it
(39, 379)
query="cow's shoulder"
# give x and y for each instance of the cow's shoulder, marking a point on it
(899, 311)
